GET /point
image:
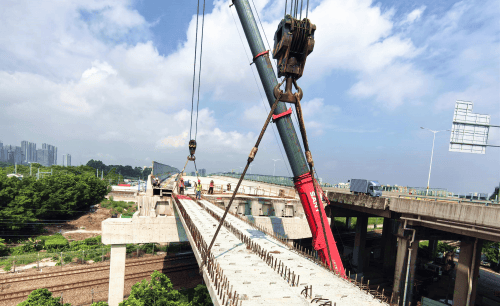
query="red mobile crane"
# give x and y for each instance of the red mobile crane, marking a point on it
(293, 41)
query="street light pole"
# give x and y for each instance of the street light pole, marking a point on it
(274, 170)
(432, 155)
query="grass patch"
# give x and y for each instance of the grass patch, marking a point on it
(341, 221)
(127, 209)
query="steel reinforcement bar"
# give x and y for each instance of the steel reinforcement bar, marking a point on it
(223, 289)
(313, 256)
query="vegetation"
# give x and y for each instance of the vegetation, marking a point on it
(492, 252)
(41, 247)
(113, 171)
(341, 221)
(66, 193)
(120, 207)
(158, 291)
(42, 297)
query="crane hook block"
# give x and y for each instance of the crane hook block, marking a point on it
(293, 42)
(192, 147)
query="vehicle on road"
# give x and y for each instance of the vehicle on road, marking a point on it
(360, 186)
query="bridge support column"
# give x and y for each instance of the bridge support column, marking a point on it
(348, 222)
(467, 272)
(359, 254)
(399, 271)
(411, 277)
(116, 274)
(433, 244)
(389, 242)
(401, 281)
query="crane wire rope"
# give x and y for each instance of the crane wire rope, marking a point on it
(260, 93)
(194, 67)
(267, 41)
(199, 70)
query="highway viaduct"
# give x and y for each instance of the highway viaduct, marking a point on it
(408, 221)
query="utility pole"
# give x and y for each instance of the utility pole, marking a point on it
(274, 170)
(323, 240)
(432, 154)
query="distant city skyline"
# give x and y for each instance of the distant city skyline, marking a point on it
(28, 153)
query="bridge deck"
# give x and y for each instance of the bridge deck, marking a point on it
(254, 263)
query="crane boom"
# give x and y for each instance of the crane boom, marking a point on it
(313, 207)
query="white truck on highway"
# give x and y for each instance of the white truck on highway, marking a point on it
(368, 187)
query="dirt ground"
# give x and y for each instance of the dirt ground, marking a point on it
(87, 225)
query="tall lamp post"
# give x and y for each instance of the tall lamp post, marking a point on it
(274, 171)
(432, 154)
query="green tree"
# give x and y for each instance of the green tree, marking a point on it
(158, 291)
(42, 297)
(201, 297)
(100, 304)
(492, 252)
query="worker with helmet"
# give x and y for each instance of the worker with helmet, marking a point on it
(198, 191)
(181, 186)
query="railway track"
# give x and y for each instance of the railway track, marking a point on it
(95, 282)
(146, 261)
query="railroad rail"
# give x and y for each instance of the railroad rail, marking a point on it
(95, 282)
(146, 261)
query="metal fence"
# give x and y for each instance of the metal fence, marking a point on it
(40, 260)
(269, 179)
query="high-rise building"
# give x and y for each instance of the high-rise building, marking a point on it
(42, 157)
(52, 154)
(24, 149)
(29, 151)
(203, 172)
(1, 151)
(67, 160)
(32, 157)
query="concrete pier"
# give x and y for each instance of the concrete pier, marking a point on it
(467, 272)
(116, 274)
(359, 256)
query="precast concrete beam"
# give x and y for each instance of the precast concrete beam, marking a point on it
(325, 284)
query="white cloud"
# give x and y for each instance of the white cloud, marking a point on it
(173, 141)
(414, 15)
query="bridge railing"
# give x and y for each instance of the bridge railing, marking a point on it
(268, 179)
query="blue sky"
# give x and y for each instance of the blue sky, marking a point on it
(112, 80)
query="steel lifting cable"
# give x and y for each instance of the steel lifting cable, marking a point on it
(199, 70)
(310, 161)
(192, 142)
(251, 157)
(194, 67)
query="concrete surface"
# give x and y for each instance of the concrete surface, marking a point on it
(323, 282)
(254, 281)
(117, 274)
(142, 230)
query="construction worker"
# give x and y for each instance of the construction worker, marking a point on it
(198, 191)
(211, 187)
(181, 186)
